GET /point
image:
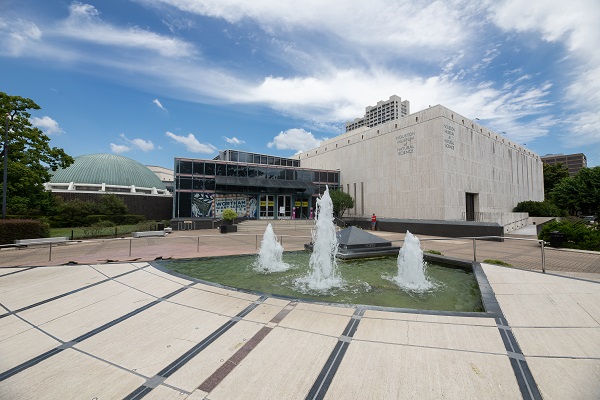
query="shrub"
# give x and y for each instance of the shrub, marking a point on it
(539, 209)
(229, 214)
(14, 229)
(438, 253)
(497, 262)
(577, 234)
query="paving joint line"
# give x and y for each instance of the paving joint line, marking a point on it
(325, 377)
(174, 366)
(29, 363)
(60, 296)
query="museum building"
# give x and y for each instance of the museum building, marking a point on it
(433, 164)
(254, 185)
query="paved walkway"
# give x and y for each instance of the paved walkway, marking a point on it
(130, 330)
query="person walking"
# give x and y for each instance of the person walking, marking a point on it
(373, 222)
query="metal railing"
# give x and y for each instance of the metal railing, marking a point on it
(197, 239)
(487, 238)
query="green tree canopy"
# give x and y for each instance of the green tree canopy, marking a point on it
(341, 202)
(553, 175)
(580, 193)
(30, 157)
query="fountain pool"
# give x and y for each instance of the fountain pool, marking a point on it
(364, 281)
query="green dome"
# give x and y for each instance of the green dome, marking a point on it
(110, 169)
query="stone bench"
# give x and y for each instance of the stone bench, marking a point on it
(148, 234)
(30, 242)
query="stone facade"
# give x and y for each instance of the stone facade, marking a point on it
(434, 164)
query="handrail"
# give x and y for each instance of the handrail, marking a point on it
(475, 238)
(340, 220)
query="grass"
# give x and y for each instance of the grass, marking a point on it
(497, 262)
(96, 232)
(438, 253)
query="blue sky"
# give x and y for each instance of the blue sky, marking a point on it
(158, 79)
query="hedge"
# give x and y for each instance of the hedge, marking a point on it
(16, 229)
(577, 234)
(58, 221)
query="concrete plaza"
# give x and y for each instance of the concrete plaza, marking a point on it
(128, 329)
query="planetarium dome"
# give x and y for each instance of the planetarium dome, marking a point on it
(107, 173)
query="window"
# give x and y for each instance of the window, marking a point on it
(198, 168)
(209, 169)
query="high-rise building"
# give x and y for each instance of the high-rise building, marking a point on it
(384, 111)
(574, 162)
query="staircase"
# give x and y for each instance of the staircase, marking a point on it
(259, 225)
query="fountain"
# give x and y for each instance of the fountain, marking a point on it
(323, 274)
(411, 267)
(270, 254)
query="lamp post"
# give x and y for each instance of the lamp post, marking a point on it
(5, 175)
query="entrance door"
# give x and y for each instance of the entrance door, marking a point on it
(284, 207)
(301, 205)
(267, 206)
(470, 203)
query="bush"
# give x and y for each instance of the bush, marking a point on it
(229, 214)
(14, 229)
(497, 262)
(577, 234)
(437, 253)
(539, 209)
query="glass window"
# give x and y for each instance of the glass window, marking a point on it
(209, 169)
(185, 183)
(252, 172)
(276, 173)
(271, 160)
(198, 168)
(242, 170)
(263, 159)
(198, 184)
(322, 176)
(233, 155)
(245, 157)
(232, 170)
(289, 174)
(184, 205)
(261, 172)
(256, 158)
(185, 167)
(220, 170)
(209, 184)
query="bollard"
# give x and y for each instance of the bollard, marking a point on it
(474, 251)
(256, 243)
(543, 258)
(50, 255)
(130, 247)
(198, 248)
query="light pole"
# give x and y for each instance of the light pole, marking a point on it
(5, 175)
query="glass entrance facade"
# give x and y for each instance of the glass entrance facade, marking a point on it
(260, 186)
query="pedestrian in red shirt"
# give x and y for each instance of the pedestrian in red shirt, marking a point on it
(373, 222)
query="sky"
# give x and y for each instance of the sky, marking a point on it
(157, 79)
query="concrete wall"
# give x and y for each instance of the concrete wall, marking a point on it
(422, 166)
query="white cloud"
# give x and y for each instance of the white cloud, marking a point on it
(144, 145)
(294, 139)
(233, 140)
(17, 36)
(398, 27)
(47, 124)
(119, 148)
(577, 28)
(84, 23)
(192, 144)
(159, 104)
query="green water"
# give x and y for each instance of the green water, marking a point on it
(365, 283)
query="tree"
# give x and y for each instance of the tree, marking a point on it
(553, 175)
(30, 158)
(580, 193)
(341, 202)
